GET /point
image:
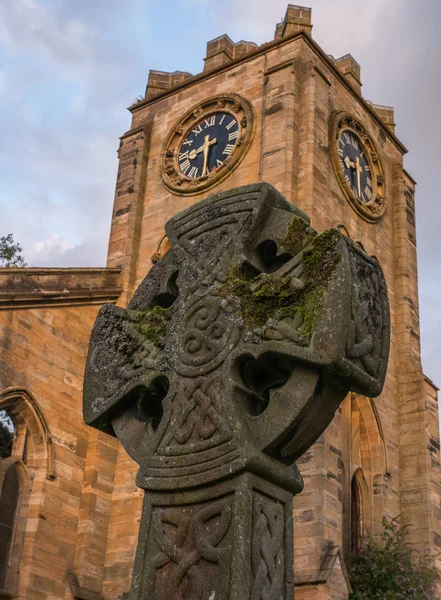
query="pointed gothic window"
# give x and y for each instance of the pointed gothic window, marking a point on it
(9, 502)
(355, 515)
(9, 493)
(26, 461)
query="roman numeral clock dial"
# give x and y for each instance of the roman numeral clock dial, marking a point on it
(358, 167)
(355, 166)
(207, 143)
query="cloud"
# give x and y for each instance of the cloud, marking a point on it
(58, 252)
(69, 69)
(67, 86)
(29, 27)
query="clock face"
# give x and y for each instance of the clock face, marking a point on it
(355, 166)
(358, 166)
(208, 144)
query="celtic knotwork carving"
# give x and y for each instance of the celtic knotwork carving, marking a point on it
(268, 561)
(187, 539)
(365, 331)
(208, 334)
(197, 423)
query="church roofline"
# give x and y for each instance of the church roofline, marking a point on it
(263, 49)
(430, 382)
(36, 287)
(410, 177)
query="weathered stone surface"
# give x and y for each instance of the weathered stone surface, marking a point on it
(229, 362)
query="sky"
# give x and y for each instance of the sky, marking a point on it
(69, 69)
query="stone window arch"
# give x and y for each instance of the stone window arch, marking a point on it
(24, 466)
(366, 476)
(357, 484)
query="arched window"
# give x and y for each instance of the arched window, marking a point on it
(356, 515)
(26, 460)
(9, 502)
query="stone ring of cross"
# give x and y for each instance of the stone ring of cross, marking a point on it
(229, 362)
(280, 336)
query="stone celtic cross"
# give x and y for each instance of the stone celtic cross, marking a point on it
(229, 362)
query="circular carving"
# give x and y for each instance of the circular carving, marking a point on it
(207, 336)
(358, 166)
(207, 143)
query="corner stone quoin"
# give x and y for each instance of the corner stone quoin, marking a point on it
(228, 363)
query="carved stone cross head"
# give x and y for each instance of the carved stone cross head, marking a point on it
(228, 363)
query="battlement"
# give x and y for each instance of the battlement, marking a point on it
(222, 50)
(160, 81)
(349, 67)
(297, 18)
(386, 114)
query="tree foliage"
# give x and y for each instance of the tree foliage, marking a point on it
(10, 252)
(388, 569)
(6, 434)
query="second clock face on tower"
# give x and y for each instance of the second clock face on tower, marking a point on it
(355, 165)
(207, 143)
(358, 166)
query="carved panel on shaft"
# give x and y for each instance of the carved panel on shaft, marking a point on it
(268, 551)
(189, 550)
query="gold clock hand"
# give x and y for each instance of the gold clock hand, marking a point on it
(359, 170)
(207, 145)
(349, 163)
(193, 153)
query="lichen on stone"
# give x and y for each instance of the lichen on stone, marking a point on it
(265, 297)
(152, 323)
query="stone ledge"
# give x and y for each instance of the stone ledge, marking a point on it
(35, 287)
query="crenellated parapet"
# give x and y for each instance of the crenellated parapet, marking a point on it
(160, 81)
(297, 18)
(223, 50)
(386, 114)
(349, 67)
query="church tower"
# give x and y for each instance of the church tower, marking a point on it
(288, 114)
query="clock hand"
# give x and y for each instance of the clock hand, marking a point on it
(193, 153)
(349, 163)
(359, 170)
(207, 145)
